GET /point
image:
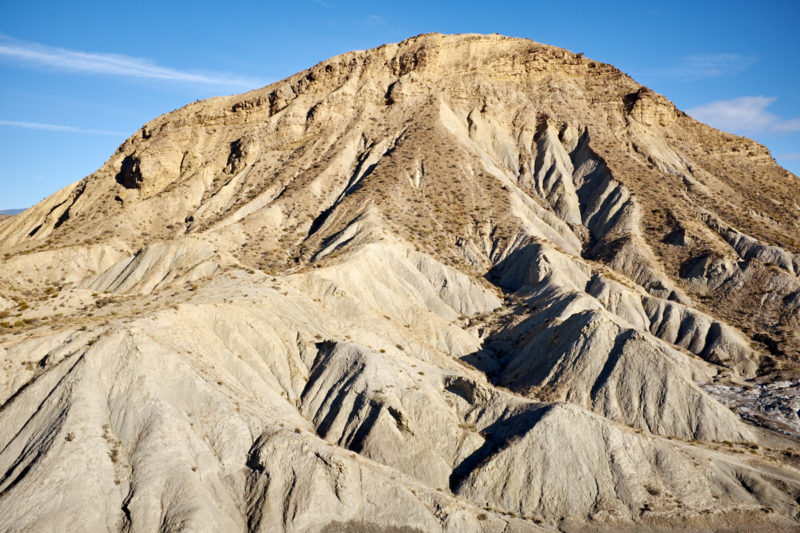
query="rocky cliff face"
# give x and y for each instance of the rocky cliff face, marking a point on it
(459, 283)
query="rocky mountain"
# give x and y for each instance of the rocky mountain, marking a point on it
(459, 283)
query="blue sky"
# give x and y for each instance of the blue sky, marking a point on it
(77, 78)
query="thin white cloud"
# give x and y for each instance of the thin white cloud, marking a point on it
(376, 19)
(789, 157)
(747, 114)
(56, 127)
(702, 66)
(109, 64)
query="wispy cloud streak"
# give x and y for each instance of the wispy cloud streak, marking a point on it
(702, 66)
(55, 127)
(109, 64)
(376, 19)
(747, 114)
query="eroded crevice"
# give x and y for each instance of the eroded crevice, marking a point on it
(130, 173)
(365, 164)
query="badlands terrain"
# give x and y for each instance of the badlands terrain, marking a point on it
(460, 283)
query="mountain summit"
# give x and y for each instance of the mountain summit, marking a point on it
(459, 283)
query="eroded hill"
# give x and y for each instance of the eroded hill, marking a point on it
(461, 283)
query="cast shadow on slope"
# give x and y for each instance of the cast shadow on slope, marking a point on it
(560, 343)
(498, 436)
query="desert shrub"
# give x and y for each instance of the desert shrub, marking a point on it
(653, 491)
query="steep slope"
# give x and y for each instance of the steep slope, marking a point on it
(459, 283)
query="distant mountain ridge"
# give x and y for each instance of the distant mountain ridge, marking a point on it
(10, 212)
